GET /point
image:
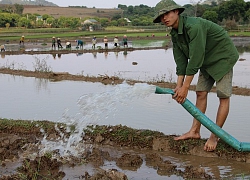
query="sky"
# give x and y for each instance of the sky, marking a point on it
(111, 3)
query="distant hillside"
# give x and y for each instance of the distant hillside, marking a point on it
(57, 12)
(42, 7)
(28, 2)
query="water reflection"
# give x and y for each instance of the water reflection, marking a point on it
(94, 54)
(79, 54)
(54, 55)
(106, 54)
(125, 53)
(243, 49)
(152, 65)
(2, 55)
(116, 54)
(59, 55)
(242, 44)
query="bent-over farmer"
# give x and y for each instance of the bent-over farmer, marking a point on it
(200, 45)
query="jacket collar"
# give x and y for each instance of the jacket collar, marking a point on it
(180, 25)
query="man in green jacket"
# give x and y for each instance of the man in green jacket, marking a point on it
(200, 45)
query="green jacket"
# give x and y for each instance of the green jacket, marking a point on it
(201, 44)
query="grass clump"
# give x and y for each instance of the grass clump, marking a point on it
(123, 135)
(27, 127)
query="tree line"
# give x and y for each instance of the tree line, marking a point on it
(228, 13)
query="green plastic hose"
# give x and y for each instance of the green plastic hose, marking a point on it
(209, 124)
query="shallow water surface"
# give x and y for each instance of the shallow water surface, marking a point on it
(152, 65)
(35, 99)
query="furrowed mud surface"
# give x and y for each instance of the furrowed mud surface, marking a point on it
(21, 138)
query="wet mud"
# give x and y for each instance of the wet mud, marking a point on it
(20, 138)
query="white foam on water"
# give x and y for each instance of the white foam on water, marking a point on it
(93, 108)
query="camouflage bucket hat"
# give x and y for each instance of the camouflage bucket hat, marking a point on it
(166, 9)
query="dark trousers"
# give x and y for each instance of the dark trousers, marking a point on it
(59, 45)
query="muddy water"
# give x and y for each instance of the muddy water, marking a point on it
(219, 169)
(35, 99)
(152, 65)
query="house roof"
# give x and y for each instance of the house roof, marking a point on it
(127, 20)
(90, 21)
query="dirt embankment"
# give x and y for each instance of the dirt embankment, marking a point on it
(22, 138)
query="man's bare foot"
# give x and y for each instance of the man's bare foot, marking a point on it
(211, 143)
(188, 135)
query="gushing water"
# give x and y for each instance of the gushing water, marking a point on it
(93, 108)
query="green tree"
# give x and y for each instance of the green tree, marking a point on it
(124, 7)
(189, 10)
(45, 16)
(8, 9)
(24, 22)
(31, 17)
(38, 23)
(135, 22)
(50, 21)
(104, 22)
(130, 9)
(113, 23)
(73, 22)
(122, 22)
(199, 10)
(7, 18)
(247, 16)
(211, 16)
(116, 17)
(56, 23)
(19, 9)
(14, 19)
(233, 9)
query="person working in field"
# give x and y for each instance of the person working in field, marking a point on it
(79, 43)
(200, 45)
(21, 40)
(116, 41)
(93, 42)
(105, 40)
(59, 45)
(2, 48)
(68, 45)
(53, 42)
(125, 41)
